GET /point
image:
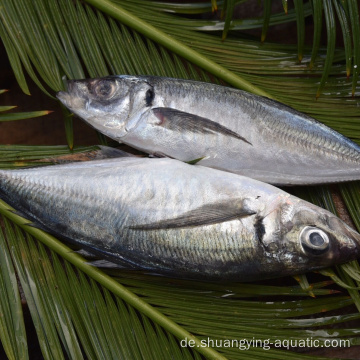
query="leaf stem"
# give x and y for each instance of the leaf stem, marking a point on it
(108, 282)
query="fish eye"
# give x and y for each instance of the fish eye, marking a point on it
(314, 240)
(104, 89)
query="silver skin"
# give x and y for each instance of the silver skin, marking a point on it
(231, 129)
(180, 220)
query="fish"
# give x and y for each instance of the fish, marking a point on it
(228, 129)
(167, 217)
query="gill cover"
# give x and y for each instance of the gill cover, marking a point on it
(113, 104)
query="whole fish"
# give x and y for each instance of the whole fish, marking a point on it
(230, 129)
(180, 220)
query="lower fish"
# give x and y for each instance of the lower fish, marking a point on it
(171, 218)
(227, 128)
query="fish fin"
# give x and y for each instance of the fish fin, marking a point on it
(204, 215)
(182, 121)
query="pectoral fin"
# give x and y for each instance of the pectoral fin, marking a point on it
(204, 215)
(181, 121)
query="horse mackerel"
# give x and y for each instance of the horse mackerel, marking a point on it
(230, 129)
(180, 220)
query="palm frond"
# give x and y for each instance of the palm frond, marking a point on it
(53, 322)
(19, 116)
(266, 22)
(317, 14)
(331, 30)
(353, 11)
(346, 14)
(11, 320)
(93, 320)
(80, 311)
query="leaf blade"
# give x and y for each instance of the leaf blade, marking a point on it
(12, 327)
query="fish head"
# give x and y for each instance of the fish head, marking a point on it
(113, 104)
(302, 237)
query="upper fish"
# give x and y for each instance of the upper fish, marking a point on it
(187, 221)
(230, 129)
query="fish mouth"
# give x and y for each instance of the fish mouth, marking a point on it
(355, 237)
(64, 97)
(349, 236)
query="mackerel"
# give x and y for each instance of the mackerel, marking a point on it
(180, 220)
(230, 129)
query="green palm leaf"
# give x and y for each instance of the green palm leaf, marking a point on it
(19, 116)
(11, 322)
(61, 314)
(80, 311)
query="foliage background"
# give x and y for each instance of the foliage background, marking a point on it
(102, 319)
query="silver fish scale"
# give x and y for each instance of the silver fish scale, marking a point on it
(229, 129)
(260, 111)
(280, 127)
(313, 141)
(91, 201)
(196, 245)
(169, 217)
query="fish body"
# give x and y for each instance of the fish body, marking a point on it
(187, 221)
(230, 129)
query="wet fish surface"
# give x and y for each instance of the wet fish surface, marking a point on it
(180, 220)
(232, 130)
